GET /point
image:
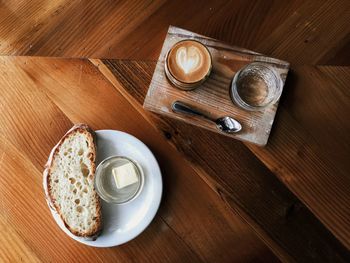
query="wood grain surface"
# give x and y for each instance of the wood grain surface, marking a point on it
(225, 201)
(298, 31)
(213, 96)
(242, 180)
(193, 224)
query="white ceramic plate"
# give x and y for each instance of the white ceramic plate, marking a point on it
(124, 222)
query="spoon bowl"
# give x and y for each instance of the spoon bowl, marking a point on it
(228, 124)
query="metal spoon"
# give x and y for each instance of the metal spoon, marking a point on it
(225, 124)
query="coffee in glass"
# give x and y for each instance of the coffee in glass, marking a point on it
(188, 64)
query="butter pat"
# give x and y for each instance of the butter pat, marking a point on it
(125, 175)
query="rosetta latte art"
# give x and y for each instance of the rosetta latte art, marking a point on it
(189, 59)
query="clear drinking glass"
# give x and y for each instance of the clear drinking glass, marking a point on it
(256, 86)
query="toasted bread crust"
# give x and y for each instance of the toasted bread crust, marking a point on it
(81, 128)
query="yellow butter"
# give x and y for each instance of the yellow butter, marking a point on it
(125, 175)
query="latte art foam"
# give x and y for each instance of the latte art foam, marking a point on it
(189, 59)
(188, 62)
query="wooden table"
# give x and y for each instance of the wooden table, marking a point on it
(223, 200)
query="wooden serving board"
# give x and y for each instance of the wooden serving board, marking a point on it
(213, 96)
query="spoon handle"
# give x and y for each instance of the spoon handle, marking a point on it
(181, 107)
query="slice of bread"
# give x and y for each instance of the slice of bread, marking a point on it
(69, 182)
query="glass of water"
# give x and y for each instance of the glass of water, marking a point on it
(256, 86)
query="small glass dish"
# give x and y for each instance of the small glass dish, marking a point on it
(256, 86)
(105, 185)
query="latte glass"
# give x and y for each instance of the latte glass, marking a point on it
(188, 64)
(256, 86)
